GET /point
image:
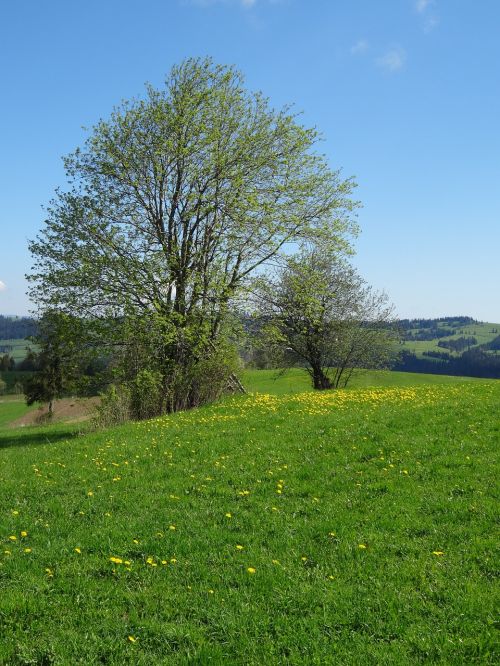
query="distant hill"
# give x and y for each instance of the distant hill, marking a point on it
(450, 345)
(456, 345)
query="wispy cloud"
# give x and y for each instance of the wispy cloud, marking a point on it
(430, 20)
(421, 5)
(393, 60)
(3, 286)
(361, 46)
(431, 23)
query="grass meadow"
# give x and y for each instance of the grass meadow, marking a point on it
(281, 527)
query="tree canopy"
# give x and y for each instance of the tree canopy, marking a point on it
(174, 202)
(179, 196)
(320, 313)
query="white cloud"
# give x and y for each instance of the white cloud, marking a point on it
(393, 60)
(359, 47)
(421, 5)
(431, 23)
(3, 286)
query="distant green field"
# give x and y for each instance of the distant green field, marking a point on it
(336, 527)
(483, 332)
(15, 347)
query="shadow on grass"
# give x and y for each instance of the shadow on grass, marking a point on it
(34, 436)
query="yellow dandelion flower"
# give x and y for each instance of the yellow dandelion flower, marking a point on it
(438, 552)
(229, 515)
(27, 550)
(239, 547)
(362, 546)
(13, 537)
(172, 527)
(116, 560)
(251, 570)
(132, 639)
(77, 550)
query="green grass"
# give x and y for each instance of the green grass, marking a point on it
(298, 380)
(406, 472)
(11, 408)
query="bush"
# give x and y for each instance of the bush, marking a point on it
(114, 407)
(145, 392)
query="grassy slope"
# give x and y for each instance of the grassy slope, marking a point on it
(481, 331)
(11, 408)
(405, 472)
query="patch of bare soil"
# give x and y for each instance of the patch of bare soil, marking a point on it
(66, 410)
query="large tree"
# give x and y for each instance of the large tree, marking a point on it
(318, 312)
(175, 201)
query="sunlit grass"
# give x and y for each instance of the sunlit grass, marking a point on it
(338, 527)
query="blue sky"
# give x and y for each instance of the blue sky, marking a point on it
(405, 92)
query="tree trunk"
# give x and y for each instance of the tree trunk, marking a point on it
(320, 379)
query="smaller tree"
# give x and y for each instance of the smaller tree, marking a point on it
(318, 312)
(56, 362)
